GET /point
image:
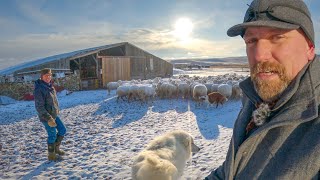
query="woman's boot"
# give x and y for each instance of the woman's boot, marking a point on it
(57, 146)
(51, 152)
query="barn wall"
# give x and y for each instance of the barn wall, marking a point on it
(145, 65)
(115, 68)
(138, 68)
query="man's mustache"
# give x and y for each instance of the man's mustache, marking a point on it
(265, 67)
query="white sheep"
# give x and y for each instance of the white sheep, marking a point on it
(184, 90)
(167, 90)
(214, 87)
(146, 92)
(199, 93)
(122, 92)
(134, 92)
(112, 86)
(209, 87)
(236, 92)
(225, 89)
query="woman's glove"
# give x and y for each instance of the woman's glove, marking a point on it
(52, 122)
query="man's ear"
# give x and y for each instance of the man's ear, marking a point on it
(311, 51)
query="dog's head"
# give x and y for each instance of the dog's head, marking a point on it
(187, 140)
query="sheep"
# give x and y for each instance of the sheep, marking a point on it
(209, 87)
(199, 93)
(192, 85)
(112, 86)
(172, 91)
(167, 90)
(160, 89)
(217, 98)
(236, 92)
(225, 90)
(156, 80)
(122, 91)
(184, 90)
(214, 87)
(133, 94)
(145, 92)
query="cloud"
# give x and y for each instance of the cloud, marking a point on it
(154, 40)
(160, 42)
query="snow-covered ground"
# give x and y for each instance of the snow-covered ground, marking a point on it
(103, 136)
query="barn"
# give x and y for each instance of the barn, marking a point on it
(97, 66)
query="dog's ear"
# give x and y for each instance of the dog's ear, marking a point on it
(194, 147)
(187, 142)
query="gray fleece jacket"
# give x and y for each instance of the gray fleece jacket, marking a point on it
(288, 145)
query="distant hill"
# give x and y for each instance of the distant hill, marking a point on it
(242, 60)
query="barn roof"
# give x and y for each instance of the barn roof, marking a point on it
(79, 53)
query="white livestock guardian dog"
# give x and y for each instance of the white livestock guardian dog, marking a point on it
(165, 157)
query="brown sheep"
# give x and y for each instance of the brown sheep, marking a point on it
(216, 97)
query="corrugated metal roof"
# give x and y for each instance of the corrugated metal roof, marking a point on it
(12, 69)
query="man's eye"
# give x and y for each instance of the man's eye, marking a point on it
(278, 37)
(249, 41)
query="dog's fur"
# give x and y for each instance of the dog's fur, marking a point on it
(165, 157)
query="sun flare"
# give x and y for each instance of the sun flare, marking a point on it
(183, 28)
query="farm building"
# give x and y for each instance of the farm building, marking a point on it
(96, 66)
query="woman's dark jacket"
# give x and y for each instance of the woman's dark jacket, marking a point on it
(46, 102)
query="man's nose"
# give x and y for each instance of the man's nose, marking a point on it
(263, 50)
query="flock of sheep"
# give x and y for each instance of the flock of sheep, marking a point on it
(212, 89)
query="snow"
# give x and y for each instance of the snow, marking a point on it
(211, 71)
(103, 136)
(4, 100)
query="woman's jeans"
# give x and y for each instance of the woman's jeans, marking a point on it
(52, 131)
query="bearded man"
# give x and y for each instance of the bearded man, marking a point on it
(277, 133)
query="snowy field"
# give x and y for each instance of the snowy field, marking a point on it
(211, 71)
(103, 136)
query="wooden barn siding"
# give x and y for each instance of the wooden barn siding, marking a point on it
(140, 64)
(138, 67)
(161, 68)
(115, 68)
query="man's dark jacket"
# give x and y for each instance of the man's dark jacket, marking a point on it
(46, 102)
(286, 147)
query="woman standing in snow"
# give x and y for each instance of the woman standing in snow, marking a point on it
(47, 106)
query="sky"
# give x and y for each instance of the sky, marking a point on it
(34, 29)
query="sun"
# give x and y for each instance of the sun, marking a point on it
(183, 28)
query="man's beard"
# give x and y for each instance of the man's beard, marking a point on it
(269, 90)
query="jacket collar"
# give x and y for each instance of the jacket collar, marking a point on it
(43, 84)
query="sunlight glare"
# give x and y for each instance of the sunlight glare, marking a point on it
(183, 28)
